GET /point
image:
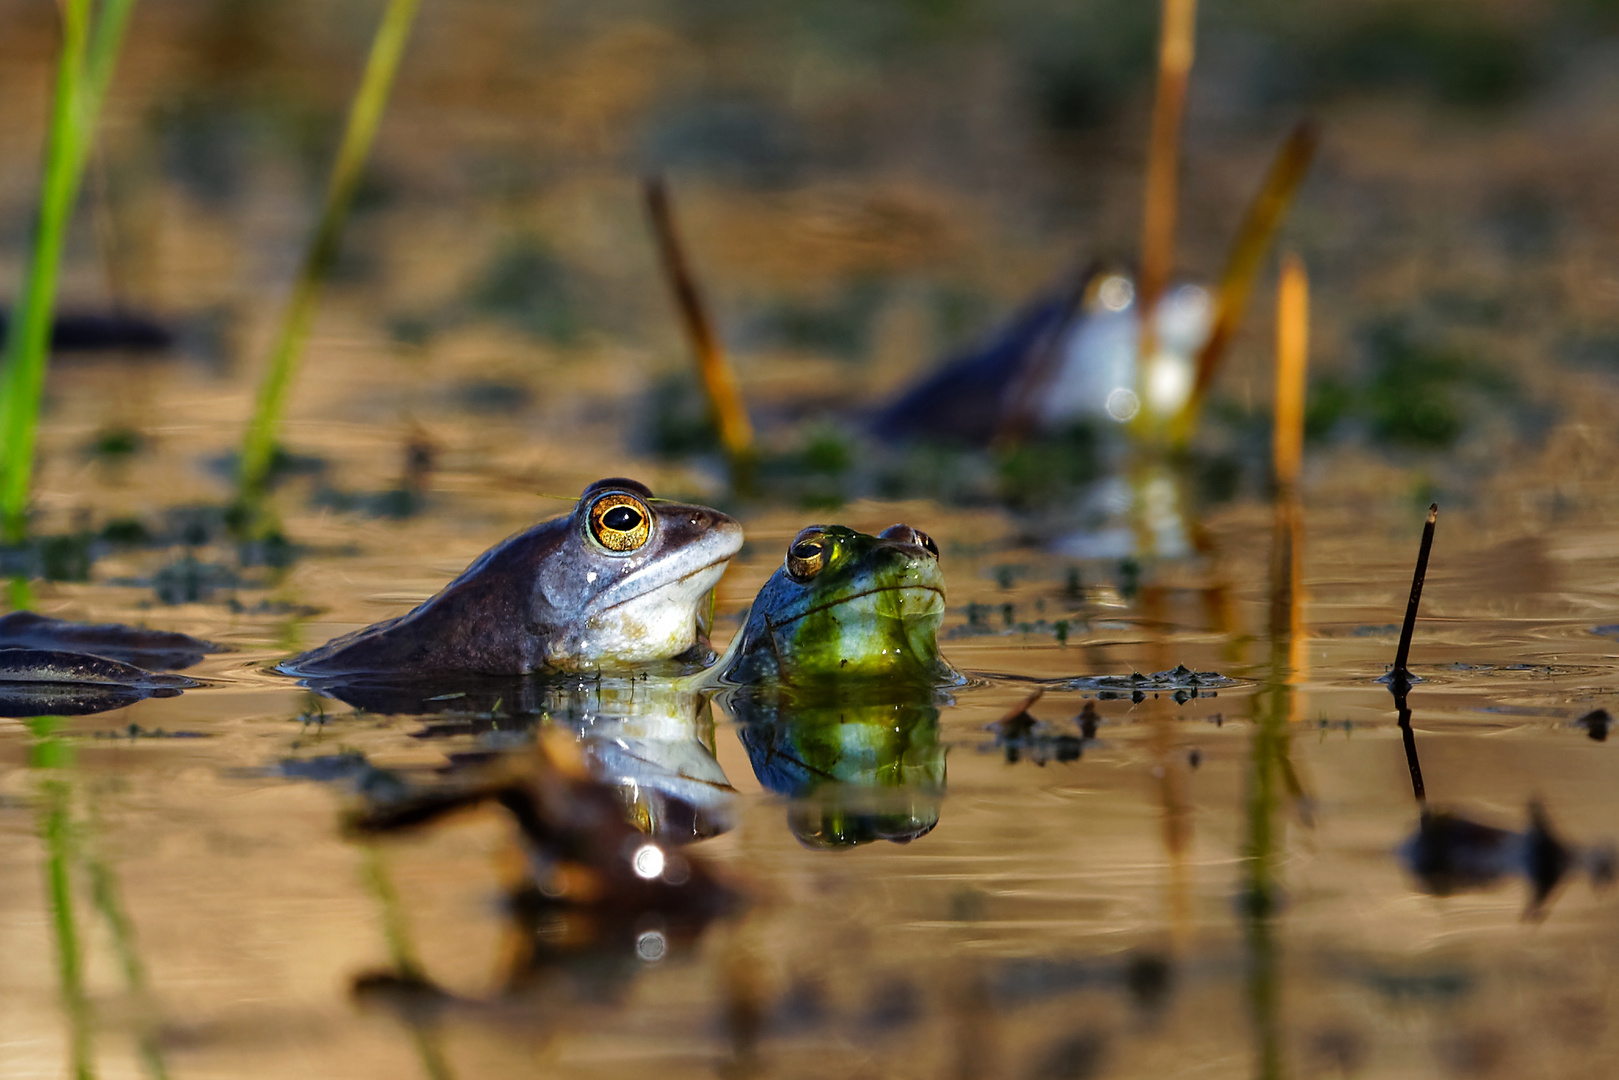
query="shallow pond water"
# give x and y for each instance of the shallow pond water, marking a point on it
(1203, 885)
(1125, 880)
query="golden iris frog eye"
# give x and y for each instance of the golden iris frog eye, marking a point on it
(807, 554)
(620, 522)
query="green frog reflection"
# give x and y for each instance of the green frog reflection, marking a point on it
(844, 609)
(854, 772)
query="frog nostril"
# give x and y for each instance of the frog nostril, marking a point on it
(909, 535)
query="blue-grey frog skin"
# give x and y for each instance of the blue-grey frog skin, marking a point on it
(616, 584)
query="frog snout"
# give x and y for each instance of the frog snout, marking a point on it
(722, 529)
(905, 534)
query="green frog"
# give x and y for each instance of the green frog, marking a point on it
(618, 583)
(846, 606)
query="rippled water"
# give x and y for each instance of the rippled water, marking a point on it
(1169, 886)
(1207, 886)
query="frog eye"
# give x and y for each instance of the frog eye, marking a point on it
(620, 522)
(806, 556)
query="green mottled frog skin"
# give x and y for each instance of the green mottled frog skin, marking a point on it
(855, 771)
(845, 606)
(615, 584)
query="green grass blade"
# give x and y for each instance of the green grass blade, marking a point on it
(258, 447)
(22, 370)
(105, 42)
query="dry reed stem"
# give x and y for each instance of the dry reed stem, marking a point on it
(718, 377)
(1175, 50)
(1253, 238)
(1292, 356)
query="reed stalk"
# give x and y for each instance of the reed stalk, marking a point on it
(1292, 357)
(1271, 771)
(1176, 47)
(1161, 196)
(1253, 239)
(90, 45)
(365, 114)
(713, 367)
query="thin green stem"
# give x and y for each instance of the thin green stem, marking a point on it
(22, 371)
(82, 75)
(396, 932)
(19, 594)
(258, 446)
(56, 829)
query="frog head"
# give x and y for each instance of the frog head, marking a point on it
(845, 605)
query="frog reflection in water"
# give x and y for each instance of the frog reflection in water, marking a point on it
(846, 606)
(615, 584)
(855, 772)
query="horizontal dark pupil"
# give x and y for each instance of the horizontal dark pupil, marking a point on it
(621, 518)
(805, 551)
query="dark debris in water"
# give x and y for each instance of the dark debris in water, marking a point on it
(135, 731)
(585, 857)
(1146, 978)
(1451, 854)
(347, 768)
(158, 650)
(1019, 734)
(1597, 723)
(1177, 680)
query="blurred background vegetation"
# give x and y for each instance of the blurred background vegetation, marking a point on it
(864, 188)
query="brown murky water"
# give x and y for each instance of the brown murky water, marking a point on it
(1207, 886)
(1063, 918)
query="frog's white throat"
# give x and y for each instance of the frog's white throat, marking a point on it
(654, 623)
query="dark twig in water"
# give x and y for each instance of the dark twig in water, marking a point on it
(1410, 739)
(1402, 676)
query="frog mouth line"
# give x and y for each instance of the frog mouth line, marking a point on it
(775, 625)
(721, 561)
